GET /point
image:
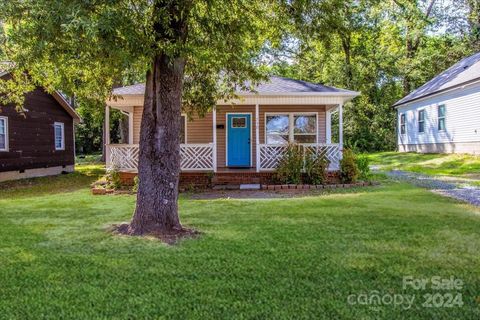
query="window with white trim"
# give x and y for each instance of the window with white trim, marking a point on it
(290, 127)
(403, 127)
(3, 134)
(183, 129)
(441, 118)
(59, 129)
(421, 121)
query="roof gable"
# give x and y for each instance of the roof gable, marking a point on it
(463, 72)
(60, 99)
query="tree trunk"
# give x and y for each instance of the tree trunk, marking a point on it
(159, 160)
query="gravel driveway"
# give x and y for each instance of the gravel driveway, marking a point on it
(455, 188)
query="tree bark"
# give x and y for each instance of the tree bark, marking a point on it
(159, 159)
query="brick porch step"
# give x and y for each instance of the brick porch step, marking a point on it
(225, 179)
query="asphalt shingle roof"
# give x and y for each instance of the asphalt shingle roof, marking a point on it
(463, 72)
(275, 85)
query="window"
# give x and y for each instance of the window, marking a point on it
(305, 128)
(403, 128)
(3, 134)
(239, 122)
(277, 129)
(441, 118)
(183, 129)
(421, 121)
(59, 136)
(291, 127)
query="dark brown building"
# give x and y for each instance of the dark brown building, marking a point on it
(40, 141)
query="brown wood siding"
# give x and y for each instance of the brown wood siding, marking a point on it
(31, 137)
(200, 130)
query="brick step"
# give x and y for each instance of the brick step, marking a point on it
(234, 180)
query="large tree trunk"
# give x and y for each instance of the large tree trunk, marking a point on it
(159, 160)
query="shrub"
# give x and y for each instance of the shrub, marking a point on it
(136, 181)
(348, 167)
(363, 164)
(113, 179)
(290, 166)
(315, 168)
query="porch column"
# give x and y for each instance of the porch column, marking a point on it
(130, 127)
(107, 135)
(257, 137)
(328, 119)
(214, 128)
(340, 126)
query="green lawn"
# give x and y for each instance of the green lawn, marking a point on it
(279, 258)
(433, 164)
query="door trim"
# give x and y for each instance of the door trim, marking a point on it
(227, 125)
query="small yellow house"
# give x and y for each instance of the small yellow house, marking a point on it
(249, 134)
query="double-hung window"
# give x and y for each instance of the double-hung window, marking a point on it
(403, 128)
(3, 134)
(441, 117)
(59, 130)
(290, 127)
(421, 121)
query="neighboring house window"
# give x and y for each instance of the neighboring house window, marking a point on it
(3, 134)
(183, 129)
(403, 128)
(441, 118)
(59, 136)
(421, 121)
(291, 127)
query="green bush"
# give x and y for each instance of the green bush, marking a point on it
(363, 164)
(348, 167)
(136, 181)
(113, 179)
(315, 169)
(290, 166)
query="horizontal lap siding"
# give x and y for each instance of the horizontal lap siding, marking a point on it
(462, 109)
(31, 136)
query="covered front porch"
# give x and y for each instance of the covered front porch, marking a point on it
(216, 143)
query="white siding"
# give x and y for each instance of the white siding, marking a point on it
(462, 111)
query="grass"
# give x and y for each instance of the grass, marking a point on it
(432, 164)
(278, 259)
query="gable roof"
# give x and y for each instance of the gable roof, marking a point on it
(60, 99)
(464, 72)
(274, 86)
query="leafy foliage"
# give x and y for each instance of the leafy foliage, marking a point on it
(363, 165)
(290, 166)
(348, 167)
(315, 169)
(299, 166)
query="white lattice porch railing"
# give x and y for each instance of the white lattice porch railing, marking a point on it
(124, 157)
(270, 154)
(196, 156)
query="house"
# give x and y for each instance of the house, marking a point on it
(244, 138)
(443, 115)
(39, 141)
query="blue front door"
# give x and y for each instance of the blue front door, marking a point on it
(238, 126)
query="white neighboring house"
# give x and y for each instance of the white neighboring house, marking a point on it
(443, 115)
